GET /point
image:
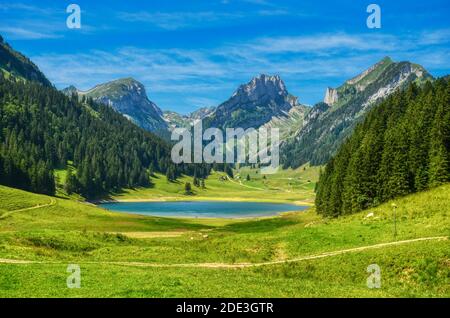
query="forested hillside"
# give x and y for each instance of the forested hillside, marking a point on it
(42, 129)
(328, 124)
(403, 146)
(13, 63)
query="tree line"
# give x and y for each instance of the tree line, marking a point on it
(403, 146)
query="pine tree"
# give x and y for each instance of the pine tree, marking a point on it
(187, 188)
(71, 185)
(195, 181)
(152, 169)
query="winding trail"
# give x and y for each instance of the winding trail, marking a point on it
(241, 265)
(39, 206)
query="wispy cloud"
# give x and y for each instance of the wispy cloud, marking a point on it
(25, 7)
(16, 33)
(203, 77)
(176, 20)
(19, 21)
(260, 2)
(319, 43)
(168, 71)
(181, 20)
(435, 37)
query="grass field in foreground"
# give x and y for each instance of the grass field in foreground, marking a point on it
(284, 186)
(66, 232)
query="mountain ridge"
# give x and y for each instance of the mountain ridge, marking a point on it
(14, 63)
(254, 104)
(128, 97)
(326, 126)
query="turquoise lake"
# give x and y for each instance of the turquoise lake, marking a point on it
(203, 209)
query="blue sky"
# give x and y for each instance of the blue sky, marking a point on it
(191, 54)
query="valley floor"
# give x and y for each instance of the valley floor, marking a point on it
(287, 186)
(292, 255)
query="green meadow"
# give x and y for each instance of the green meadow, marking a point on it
(292, 255)
(291, 186)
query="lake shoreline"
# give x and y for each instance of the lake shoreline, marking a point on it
(203, 209)
(201, 199)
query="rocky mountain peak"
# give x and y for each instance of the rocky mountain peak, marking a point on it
(132, 86)
(262, 85)
(254, 104)
(123, 94)
(121, 88)
(129, 97)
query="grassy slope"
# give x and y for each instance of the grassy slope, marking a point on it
(13, 199)
(284, 186)
(70, 232)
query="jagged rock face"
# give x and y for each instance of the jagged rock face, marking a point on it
(261, 87)
(253, 104)
(405, 72)
(328, 124)
(129, 97)
(126, 96)
(331, 96)
(289, 123)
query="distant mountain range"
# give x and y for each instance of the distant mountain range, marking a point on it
(309, 134)
(263, 101)
(175, 119)
(330, 122)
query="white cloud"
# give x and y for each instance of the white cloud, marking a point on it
(17, 33)
(323, 42)
(203, 101)
(181, 20)
(435, 37)
(177, 20)
(260, 2)
(27, 22)
(25, 7)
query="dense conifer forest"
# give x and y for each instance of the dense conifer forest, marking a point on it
(41, 129)
(403, 146)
